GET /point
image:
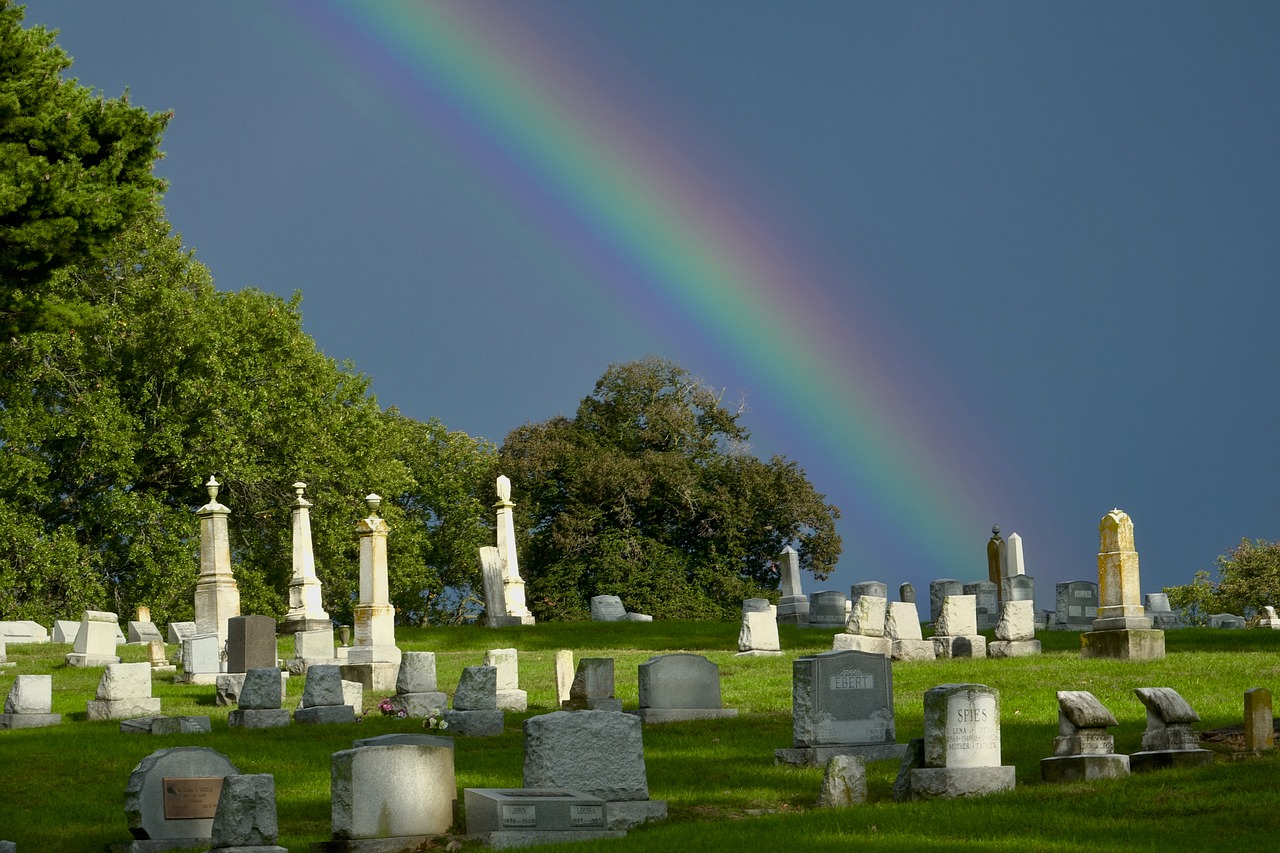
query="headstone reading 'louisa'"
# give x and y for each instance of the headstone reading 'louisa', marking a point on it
(959, 755)
(506, 817)
(680, 687)
(842, 704)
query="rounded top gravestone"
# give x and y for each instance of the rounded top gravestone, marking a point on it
(173, 793)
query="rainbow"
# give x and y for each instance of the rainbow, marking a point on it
(614, 185)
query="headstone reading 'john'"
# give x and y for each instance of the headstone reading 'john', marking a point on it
(842, 704)
(518, 817)
(1083, 749)
(172, 795)
(1169, 740)
(595, 752)
(1122, 629)
(960, 753)
(680, 687)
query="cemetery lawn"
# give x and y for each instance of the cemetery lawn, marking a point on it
(63, 786)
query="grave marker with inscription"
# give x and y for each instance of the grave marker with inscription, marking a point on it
(960, 753)
(506, 817)
(173, 795)
(1077, 603)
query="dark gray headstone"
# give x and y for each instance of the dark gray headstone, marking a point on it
(907, 593)
(842, 698)
(251, 643)
(679, 681)
(872, 588)
(987, 601)
(1077, 603)
(596, 752)
(827, 608)
(1018, 588)
(938, 591)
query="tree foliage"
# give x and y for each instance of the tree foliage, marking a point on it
(650, 492)
(76, 167)
(1248, 580)
(111, 426)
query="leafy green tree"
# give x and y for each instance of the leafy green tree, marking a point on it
(1248, 579)
(650, 493)
(76, 167)
(111, 426)
(1194, 601)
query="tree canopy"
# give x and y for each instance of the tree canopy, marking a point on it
(110, 427)
(76, 166)
(650, 492)
(1248, 580)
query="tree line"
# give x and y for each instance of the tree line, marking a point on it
(127, 379)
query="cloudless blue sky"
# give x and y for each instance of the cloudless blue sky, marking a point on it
(1062, 217)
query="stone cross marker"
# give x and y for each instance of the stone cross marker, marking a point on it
(217, 596)
(306, 609)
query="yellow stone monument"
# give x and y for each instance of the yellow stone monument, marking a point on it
(1122, 629)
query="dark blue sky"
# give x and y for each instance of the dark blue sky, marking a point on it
(1062, 216)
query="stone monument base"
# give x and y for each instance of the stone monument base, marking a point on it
(1013, 648)
(324, 714)
(378, 676)
(28, 721)
(513, 700)
(77, 659)
(675, 715)
(510, 839)
(265, 718)
(122, 709)
(1125, 644)
(474, 723)
(945, 783)
(973, 646)
(624, 814)
(913, 650)
(1159, 759)
(421, 705)
(818, 756)
(1082, 768)
(861, 643)
(298, 624)
(757, 653)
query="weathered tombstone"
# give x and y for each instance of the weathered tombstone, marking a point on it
(1259, 725)
(306, 609)
(564, 676)
(680, 687)
(323, 700)
(495, 606)
(995, 558)
(374, 660)
(201, 659)
(842, 704)
(902, 629)
(1226, 620)
(1122, 629)
(864, 626)
(507, 664)
(844, 783)
(793, 605)
(64, 631)
(475, 703)
(592, 688)
(1161, 614)
(607, 608)
(29, 704)
(217, 597)
(827, 609)
(401, 791)
(311, 648)
(986, 596)
(245, 820)
(959, 755)
(172, 795)
(1169, 740)
(1018, 588)
(907, 593)
(416, 692)
(1016, 631)
(17, 631)
(157, 657)
(505, 817)
(759, 632)
(124, 691)
(162, 725)
(956, 629)
(95, 643)
(143, 632)
(595, 752)
(1077, 605)
(1083, 749)
(938, 592)
(251, 643)
(260, 701)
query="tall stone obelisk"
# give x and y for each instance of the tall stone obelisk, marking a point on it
(512, 583)
(1122, 629)
(217, 597)
(306, 609)
(374, 659)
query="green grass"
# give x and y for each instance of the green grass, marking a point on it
(63, 787)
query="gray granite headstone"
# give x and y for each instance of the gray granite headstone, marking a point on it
(477, 689)
(873, 588)
(251, 643)
(938, 591)
(607, 608)
(1077, 603)
(173, 794)
(596, 752)
(684, 684)
(181, 631)
(907, 593)
(1018, 588)
(261, 690)
(417, 673)
(246, 814)
(827, 609)
(842, 698)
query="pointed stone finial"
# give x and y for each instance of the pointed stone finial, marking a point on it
(504, 488)
(300, 501)
(995, 531)
(373, 502)
(212, 488)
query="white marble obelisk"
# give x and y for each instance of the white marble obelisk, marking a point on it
(217, 597)
(374, 650)
(512, 583)
(306, 609)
